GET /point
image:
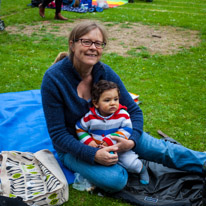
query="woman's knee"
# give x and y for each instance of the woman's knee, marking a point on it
(116, 180)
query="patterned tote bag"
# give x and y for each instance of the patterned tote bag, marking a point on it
(35, 177)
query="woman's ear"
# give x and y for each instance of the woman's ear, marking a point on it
(71, 45)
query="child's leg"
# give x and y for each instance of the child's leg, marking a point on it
(130, 161)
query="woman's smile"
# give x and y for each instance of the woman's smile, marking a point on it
(87, 56)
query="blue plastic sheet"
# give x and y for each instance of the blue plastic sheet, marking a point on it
(23, 127)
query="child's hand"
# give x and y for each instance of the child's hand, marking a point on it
(103, 144)
(93, 144)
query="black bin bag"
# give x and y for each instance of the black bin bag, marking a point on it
(167, 187)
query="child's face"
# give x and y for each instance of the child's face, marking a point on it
(108, 102)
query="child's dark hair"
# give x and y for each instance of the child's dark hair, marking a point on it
(100, 87)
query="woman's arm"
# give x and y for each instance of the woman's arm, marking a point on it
(54, 109)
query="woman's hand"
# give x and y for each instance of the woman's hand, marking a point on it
(103, 156)
(123, 144)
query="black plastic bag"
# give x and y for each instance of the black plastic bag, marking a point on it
(167, 187)
(6, 201)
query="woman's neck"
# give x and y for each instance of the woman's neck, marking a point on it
(83, 70)
(84, 87)
(85, 73)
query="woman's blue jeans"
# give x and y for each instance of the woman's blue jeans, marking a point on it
(109, 178)
(114, 178)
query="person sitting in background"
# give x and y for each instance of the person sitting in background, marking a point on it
(58, 3)
(108, 118)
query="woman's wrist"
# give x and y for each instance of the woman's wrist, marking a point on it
(131, 144)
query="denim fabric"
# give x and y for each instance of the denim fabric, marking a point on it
(114, 178)
(169, 154)
(109, 178)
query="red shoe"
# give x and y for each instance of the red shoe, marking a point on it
(41, 10)
(60, 17)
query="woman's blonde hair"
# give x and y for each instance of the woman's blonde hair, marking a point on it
(61, 56)
(77, 32)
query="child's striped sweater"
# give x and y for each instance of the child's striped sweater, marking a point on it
(93, 126)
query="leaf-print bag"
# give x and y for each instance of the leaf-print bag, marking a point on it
(35, 177)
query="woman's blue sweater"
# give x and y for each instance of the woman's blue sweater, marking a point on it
(63, 107)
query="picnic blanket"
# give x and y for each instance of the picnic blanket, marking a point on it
(112, 3)
(23, 127)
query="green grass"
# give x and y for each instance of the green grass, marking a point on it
(172, 88)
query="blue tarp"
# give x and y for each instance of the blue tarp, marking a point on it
(23, 127)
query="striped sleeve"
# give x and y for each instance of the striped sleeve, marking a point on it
(82, 133)
(125, 129)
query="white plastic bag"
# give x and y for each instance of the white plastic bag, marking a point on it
(102, 4)
(82, 184)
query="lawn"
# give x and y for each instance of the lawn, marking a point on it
(172, 87)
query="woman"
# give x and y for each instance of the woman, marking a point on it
(58, 4)
(66, 96)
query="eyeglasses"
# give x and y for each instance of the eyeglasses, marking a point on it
(88, 43)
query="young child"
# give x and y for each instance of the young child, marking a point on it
(109, 118)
